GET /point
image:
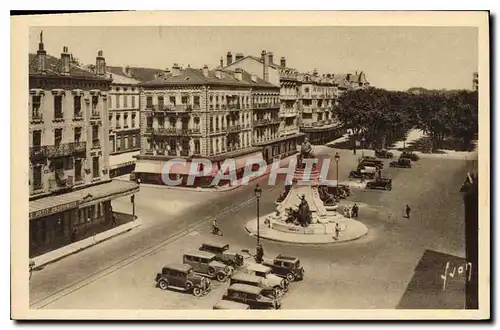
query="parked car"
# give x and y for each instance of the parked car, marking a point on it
(401, 162)
(287, 267)
(205, 263)
(383, 154)
(181, 276)
(250, 279)
(361, 175)
(228, 304)
(223, 253)
(371, 159)
(380, 183)
(411, 155)
(266, 273)
(252, 296)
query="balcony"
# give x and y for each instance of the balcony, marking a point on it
(148, 130)
(172, 152)
(80, 147)
(95, 115)
(184, 153)
(289, 97)
(266, 105)
(96, 144)
(36, 117)
(234, 107)
(38, 152)
(195, 130)
(149, 152)
(234, 128)
(60, 181)
(172, 131)
(60, 150)
(307, 109)
(58, 117)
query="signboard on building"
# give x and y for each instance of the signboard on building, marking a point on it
(53, 210)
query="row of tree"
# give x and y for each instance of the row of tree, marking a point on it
(382, 117)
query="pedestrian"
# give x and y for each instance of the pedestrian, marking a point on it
(113, 219)
(408, 210)
(355, 210)
(73, 235)
(337, 231)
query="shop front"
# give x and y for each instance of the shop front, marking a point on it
(56, 221)
(324, 134)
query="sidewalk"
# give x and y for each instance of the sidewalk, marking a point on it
(351, 230)
(76, 247)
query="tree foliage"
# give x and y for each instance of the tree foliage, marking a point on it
(382, 116)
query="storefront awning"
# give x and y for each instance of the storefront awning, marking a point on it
(81, 198)
(121, 160)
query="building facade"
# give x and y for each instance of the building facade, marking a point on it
(214, 114)
(69, 188)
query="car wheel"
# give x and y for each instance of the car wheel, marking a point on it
(278, 292)
(221, 277)
(388, 188)
(211, 271)
(189, 286)
(197, 292)
(290, 277)
(163, 284)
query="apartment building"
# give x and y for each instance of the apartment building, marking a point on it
(70, 191)
(214, 114)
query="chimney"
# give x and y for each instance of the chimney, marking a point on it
(100, 64)
(127, 71)
(270, 55)
(238, 74)
(205, 70)
(41, 56)
(283, 62)
(315, 72)
(265, 66)
(65, 57)
(239, 56)
(221, 62)
(254, 78)
(229, 58)
(176, 70)
(218, 73)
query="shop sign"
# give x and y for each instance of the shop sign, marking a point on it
(53, 210)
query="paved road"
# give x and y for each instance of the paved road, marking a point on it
(371, 272)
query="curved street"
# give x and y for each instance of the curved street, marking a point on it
(371, 272)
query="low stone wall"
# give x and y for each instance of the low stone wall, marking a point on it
(313, 229)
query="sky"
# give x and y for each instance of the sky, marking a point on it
(393, 58)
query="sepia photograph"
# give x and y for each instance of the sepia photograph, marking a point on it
(323, 167)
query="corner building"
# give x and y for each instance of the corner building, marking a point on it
(70, 191)
(214, 114)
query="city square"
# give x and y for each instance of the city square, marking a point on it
(154, 186)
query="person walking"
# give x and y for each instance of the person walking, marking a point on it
(337, 231)
(113, 219)
(355, 210)
(407, 210)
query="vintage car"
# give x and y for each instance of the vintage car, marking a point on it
(358, 174)
(410, 155)
(383, 154)
(223, 253)
(369, 162)
(401, 162)
(266, 273)
(181, 276)
(250, 279)
(205, 263)
(228, 304)
(287, 267)
(380, 183)
(252, 296)
(340, 191)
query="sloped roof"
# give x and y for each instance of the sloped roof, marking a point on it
(191, 76)
(53, 68)
(137, 73)
(120, 79)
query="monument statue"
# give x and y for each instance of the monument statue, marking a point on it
(304, 213)
(306, 152)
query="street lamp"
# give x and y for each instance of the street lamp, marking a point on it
(337, 159)
(258, 192)
(362, 147)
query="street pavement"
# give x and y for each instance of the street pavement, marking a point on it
(371, 272)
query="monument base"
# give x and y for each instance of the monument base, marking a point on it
(315, 233)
